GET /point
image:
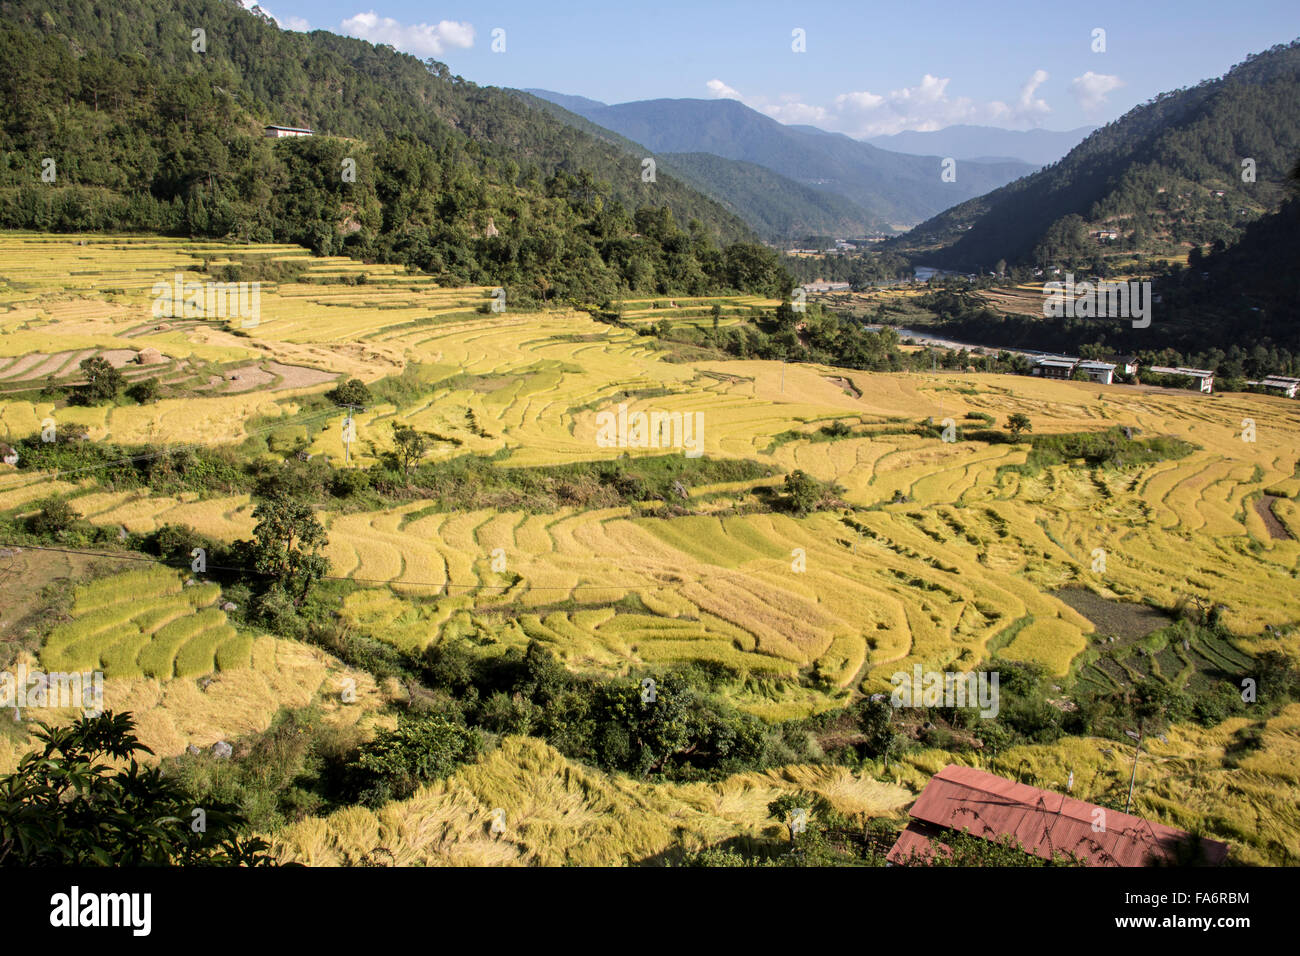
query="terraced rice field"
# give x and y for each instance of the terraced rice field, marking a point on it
(169, 656)
(965, 567)
(559, 813)
(146, 623)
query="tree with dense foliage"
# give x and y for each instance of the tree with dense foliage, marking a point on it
(54, 516)
(421, 749)
(409, 446)
(74, 803)
(353, 392)
(103, 382)
(803, 492)
(144, 392)
(287, 544)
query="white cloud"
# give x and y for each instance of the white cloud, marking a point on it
(925, 106)
(931, 90)
(722, 91)
(1091, 89)
(791, 110)
(419, 38)
(859, 101)
(1027, 105)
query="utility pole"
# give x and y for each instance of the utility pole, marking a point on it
(782, 376)
(1133, 778)
(348, 434)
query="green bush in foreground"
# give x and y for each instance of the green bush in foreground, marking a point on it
(67, 805)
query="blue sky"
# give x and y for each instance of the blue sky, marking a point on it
(868, 67)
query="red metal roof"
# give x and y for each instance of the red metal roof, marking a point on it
(1044, 823)
(917, 842)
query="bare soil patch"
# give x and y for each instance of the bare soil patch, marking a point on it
(249, 378)
(845, 384)
(24, 574)
(119, 357)
(298, 376)
(23, 364)
(1264, 508)
(1123, 619)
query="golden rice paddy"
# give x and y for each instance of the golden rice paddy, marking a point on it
(969, 555)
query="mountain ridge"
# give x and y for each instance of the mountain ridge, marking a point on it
(1039, 147)
(1166, 176)
(895, 188)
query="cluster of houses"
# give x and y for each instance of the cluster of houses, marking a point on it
(1064, 367)
(1103, 373)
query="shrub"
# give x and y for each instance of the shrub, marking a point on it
(125, 815)
(348, 482)
(55, 517)
(144, 392)
(421, 749)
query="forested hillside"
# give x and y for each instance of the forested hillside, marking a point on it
(1246, 295)
(776, 206)
(1233, 310)
(1166, 176)
(409, 164)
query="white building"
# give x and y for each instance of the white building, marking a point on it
(1204, 378)
(1282, 385)
(279, 132)
(826, 287)
(1126, 364)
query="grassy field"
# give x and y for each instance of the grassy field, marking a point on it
(939, 554)
(558, 813)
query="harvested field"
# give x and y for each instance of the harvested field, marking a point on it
(1118, 618)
